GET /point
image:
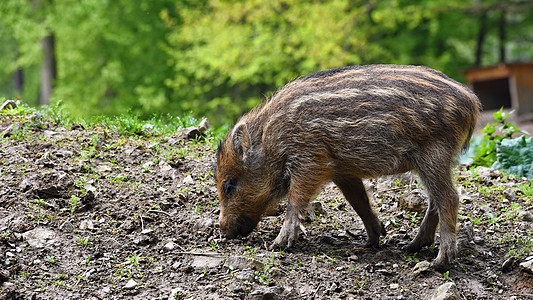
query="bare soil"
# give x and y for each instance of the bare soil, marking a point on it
(89, 214)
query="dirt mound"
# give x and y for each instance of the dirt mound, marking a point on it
(90, 214)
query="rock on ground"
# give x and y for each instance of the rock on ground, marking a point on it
(447, 291)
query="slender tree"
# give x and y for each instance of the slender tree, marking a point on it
(48, 72)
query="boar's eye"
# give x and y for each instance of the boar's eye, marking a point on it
(229, 186)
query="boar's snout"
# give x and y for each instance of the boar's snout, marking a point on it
(240, 225)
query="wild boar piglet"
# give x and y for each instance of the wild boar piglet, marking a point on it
(343, 125)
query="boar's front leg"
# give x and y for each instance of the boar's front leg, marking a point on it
(301, 191)
(354, 191)
(289, 232)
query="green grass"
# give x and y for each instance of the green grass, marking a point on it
(126, 124)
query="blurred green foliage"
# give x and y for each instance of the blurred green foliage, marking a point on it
(485, 152)
(218, 58)
(503, 152)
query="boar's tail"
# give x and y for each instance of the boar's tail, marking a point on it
(466, 143)
(472, 120)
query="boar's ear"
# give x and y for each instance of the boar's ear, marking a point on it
(241, 142)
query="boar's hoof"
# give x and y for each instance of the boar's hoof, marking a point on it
(285, 239)
(372, 245)
(447, 252)
(417, 244)
(440, 264)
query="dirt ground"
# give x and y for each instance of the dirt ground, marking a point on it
(89, 214)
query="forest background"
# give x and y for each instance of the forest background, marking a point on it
(219, 58)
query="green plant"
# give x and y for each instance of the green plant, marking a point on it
(492, 218)
(262, 278)
(21, 109)
(361, 283)
(83, 241)
(73, 203)
(486, 151)
(121, 178)
(527, 191)
(415, 218)
(446, 275)
(475, 220)
(250, 251)
(56, 112)
(515, 156)
(413, 258)
(51, 259)
(213, 246)
(134, 259)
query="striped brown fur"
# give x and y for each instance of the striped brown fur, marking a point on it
(343, 125)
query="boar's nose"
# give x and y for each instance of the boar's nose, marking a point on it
(241, 225)
(245, 225)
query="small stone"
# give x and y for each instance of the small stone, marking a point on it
(4, 276)
(479, 240)
(10, 130)
(484, 172)
(273, 293)
(526, 216)
(527, 266)
(421, 267)
(464, 197)
(510, 194)
(177, 293)
(63, 153)
(203, 262)
(465, 238)
(86, 224)
(9, 104)
(353, 257)
(246, 275)
(202, 224)
(190, 133)
(447, 291)
(170, 246)
(66, 227)
(40, 237)
(188, 180)
(165, 167)
(242, 262)
(415, 201)
(316, 209)
(131, 284)
(508, 263)
(394, 286)
(147, 231)
(204, 126)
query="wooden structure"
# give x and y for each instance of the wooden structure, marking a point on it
(508, 85)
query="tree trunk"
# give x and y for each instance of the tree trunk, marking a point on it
(501, 30)
(48, 73)
(18, 81)
(481, 38)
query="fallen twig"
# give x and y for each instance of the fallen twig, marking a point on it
(201, 254)
(159, 212)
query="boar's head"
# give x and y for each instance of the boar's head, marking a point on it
(242, 183)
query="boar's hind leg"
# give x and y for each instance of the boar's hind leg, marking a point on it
(443, 207)
(354, 191)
